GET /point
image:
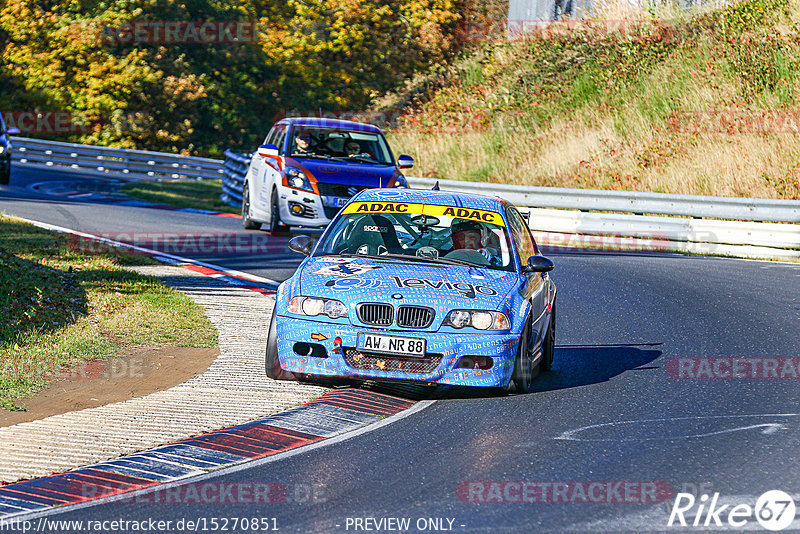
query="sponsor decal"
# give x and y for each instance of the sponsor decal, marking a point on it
(343, 284)
(328, 169)
(491, 217)
(380, 229)
(468, 290)
(345, 269)
(319, 337)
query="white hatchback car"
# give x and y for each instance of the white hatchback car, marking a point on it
(308, 168)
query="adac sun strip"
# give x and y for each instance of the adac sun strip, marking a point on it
(410, 208)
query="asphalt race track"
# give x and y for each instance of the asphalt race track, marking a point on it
(612, 434)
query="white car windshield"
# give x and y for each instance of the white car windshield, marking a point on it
(340, 144)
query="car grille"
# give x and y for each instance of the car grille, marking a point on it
(415, 316)
(330, 212)
(338, 190)
(375, 314)
(371, 361)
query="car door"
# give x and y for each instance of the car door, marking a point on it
(273, 167)
(536, 287)
(254, 177)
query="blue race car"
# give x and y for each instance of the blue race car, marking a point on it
(415, 285)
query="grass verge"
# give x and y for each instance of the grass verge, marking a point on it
(62, 304)
(698, 102)
(200, 194)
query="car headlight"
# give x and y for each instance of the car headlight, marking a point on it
(478, 319)
(2, 149)
(313, 306)
(297, 179)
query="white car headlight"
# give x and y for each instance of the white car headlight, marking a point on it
(297, 179)
(313, 306)
(478, 319)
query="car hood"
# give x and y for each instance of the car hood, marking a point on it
(344, 172)
(354, 280)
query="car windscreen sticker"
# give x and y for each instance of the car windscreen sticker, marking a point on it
(346, 269)
(491, 217)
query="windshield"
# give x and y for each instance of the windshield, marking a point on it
(340, 144)
(420, 232)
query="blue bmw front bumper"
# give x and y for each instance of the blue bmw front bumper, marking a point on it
(307, 347)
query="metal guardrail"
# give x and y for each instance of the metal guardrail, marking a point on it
(234, 171)
(743, 227)
(138, 163)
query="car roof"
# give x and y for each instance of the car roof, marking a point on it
(437, 198)
(332, 123)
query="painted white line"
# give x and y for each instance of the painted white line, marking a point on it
(240, 466)
(162, 256)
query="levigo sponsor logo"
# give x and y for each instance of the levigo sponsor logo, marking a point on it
(774, 511)
(468, 290)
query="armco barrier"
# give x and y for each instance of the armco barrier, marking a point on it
(135, 163)
(742, 227)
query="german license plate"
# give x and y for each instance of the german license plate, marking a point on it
(400, 346)
(334, 202)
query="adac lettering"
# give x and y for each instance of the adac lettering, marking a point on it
(468, 290)
(382, 207)
(464, 213)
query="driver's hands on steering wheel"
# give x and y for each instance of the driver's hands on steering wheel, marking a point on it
(491, 255)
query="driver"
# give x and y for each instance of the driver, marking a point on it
(472, 235)
(302, 142)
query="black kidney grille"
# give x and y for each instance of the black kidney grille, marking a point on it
(376, 314)
(415, 316)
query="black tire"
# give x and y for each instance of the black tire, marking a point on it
(5, 174)
(272, 364)
(523, 374)
(275, 225)
(549, 343)
(247, 222)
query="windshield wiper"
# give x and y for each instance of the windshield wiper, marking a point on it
(427, 259)
(318, 156)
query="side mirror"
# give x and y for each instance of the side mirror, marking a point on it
(405, 162)
(538, 264)
(267, 150)
(302, 244)
(13, 131)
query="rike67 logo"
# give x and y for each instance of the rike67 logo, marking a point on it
(774, 511)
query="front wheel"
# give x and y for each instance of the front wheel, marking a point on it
(247, 222)
(522, 376)
(272, 364)
(5, 174)
(275, 225)
(549, 343)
